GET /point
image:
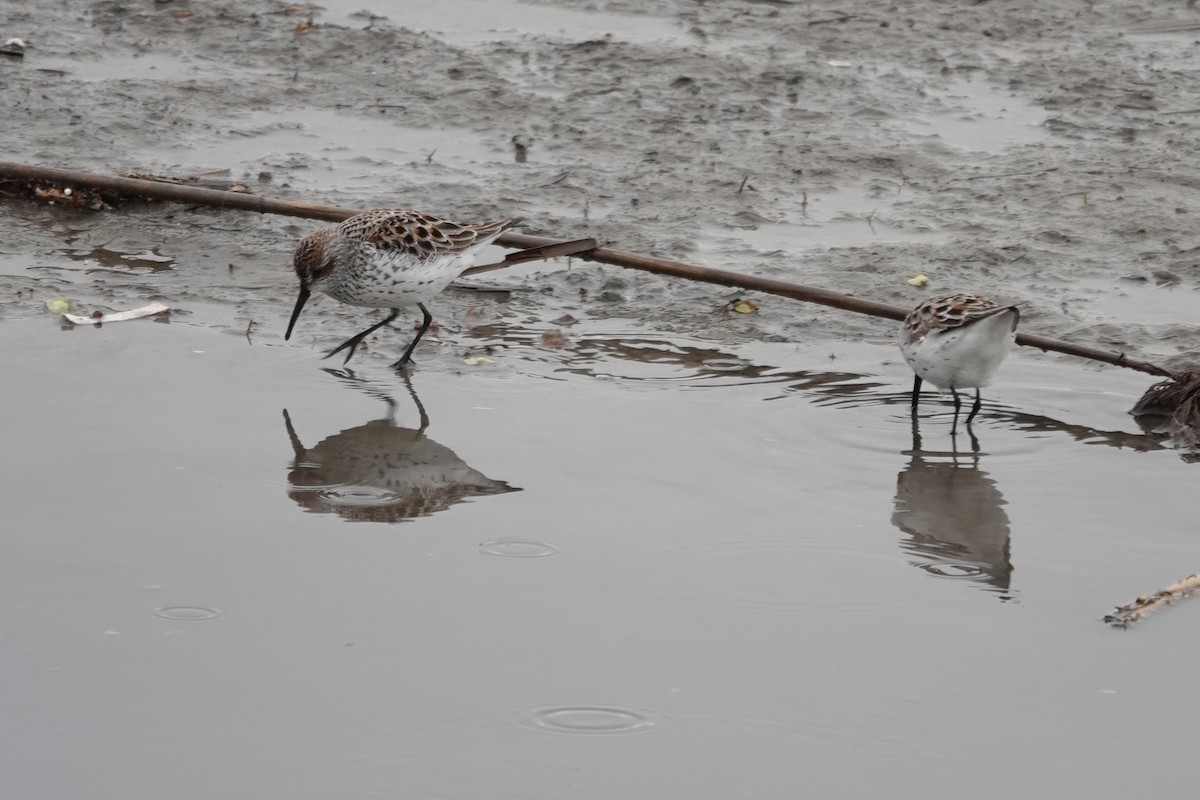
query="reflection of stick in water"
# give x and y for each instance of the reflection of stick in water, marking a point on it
(1145, 606)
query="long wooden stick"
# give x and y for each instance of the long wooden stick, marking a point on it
(180, 193)
(136, 187)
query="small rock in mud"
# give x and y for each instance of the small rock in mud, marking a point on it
(13, 48)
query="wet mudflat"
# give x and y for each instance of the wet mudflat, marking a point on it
(655, 548)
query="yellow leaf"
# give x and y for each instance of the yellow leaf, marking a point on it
(918, 280)
(58, 305)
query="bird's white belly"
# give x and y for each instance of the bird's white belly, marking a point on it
(965, 358)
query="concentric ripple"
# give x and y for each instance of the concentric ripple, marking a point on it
(588, 719)
(359, 496)
(186, 613)
(303, 475)
(74, 601)
(518, 548)
(952, 570)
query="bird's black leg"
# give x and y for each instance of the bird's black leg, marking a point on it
(916, 392)
(355, 340)
(974, 408)
(428, 319)
(957, 408)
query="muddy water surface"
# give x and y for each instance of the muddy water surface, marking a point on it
(609, 539)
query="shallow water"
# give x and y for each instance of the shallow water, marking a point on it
(733, 570)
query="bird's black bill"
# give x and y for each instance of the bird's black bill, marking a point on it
(300, 301)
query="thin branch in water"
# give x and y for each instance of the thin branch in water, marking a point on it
(1142, 607)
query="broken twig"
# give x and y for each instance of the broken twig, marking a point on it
(119, 316)
(1130, 613)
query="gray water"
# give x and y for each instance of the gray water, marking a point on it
(737, 579)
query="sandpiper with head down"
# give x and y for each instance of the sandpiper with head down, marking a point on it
(387, 258)
(957, 342)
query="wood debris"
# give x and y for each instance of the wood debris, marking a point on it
(1130, 613)
(98, 318)
(1172, 408)
(69, 197)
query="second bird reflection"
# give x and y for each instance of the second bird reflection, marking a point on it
(381, 471)
(954, 514)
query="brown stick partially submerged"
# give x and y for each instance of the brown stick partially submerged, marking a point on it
(1129, 613)
(135, 187)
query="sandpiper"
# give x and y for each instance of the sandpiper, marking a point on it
(957, 342)
(387, 258)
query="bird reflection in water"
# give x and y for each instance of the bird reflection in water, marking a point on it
(380, 471)
(955, 516)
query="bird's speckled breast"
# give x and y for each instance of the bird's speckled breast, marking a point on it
(390, 278)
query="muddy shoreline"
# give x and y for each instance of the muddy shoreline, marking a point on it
(1035, 156)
